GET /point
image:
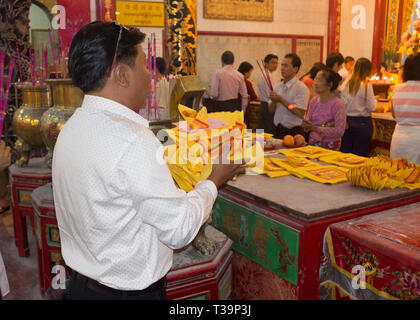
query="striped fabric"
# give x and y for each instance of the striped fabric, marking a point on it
(406, 103)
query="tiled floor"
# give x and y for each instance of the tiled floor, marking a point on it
(22, 273)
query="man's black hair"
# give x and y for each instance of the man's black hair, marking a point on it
(334, 57)
(296, 62)
(411, 69)
(92, 52)
(228, 57)
(245, 67)
(348, 59)
(161, 65)
(270, 56)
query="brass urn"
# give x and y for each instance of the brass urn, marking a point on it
(66, 98)
(27, 119)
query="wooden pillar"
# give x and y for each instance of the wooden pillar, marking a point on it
(334, 21)
(105, 10)
(181, 36)
(378, 32)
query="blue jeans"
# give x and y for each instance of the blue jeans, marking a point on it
(357, 136)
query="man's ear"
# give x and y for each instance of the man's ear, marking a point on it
(121, 75)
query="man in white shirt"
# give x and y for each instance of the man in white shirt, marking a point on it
(118, 209)
(347, 68)
(290, 99)
(271, 62)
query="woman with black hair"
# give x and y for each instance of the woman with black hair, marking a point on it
(326, 116)
(246, 69)
(357, 94)
(308, 77)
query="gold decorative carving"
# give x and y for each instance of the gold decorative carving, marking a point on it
(181, 36)
(257, 10)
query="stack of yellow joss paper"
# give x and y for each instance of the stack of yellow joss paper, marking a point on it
(383, 172)
(203, 139)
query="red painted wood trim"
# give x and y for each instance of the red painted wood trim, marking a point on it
(101, 10)
(332, 26)
(378, 33)
(293, 45)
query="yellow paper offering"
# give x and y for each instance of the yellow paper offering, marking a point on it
(324, 174)
(311, 152)
(346, 160)
(383, 172)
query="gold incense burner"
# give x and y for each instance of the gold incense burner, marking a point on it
(66, 98)
(27, 119)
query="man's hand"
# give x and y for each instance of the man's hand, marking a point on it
(4, 155)
(221, 173)
(275, 97)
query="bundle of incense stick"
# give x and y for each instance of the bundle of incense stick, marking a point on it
(46, 65)
(19, 63)
(265, 77)
(149, 66)
(154, 75)
(4, 102)
(31, 57)
(1, 75)
(52, 52)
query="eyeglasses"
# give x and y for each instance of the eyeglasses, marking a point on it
(116, 47)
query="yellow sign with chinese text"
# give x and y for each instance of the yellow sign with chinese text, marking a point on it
(139, 13)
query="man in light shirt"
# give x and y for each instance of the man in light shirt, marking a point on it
(290, 99)
(228, 86)
(271, 62)
(118, 209)
(347, 68)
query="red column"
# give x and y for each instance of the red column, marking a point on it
(334, 18)
(378, 32)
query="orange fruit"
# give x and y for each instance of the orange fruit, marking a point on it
(299, 140)
(288, 141)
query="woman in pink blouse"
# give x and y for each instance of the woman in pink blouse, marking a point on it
(326, 115)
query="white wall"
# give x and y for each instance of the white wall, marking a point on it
(308, 17)
(356, 42)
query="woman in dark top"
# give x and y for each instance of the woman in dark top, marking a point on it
(246, 69)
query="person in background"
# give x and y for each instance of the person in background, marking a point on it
(326, 115)
(290, 99)
(4, 163)
(246, 69)
(308, 78)
(357, 94)
(406, 111)
(334, 61)
(266, 122)
(162, 89)
(382, 71)
(347, 68)
(119, 212)
(227, 84)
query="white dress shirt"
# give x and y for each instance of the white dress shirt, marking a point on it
(362, 103)
(297, 93)
(118, 209)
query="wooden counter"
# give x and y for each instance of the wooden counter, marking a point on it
(277, 226)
